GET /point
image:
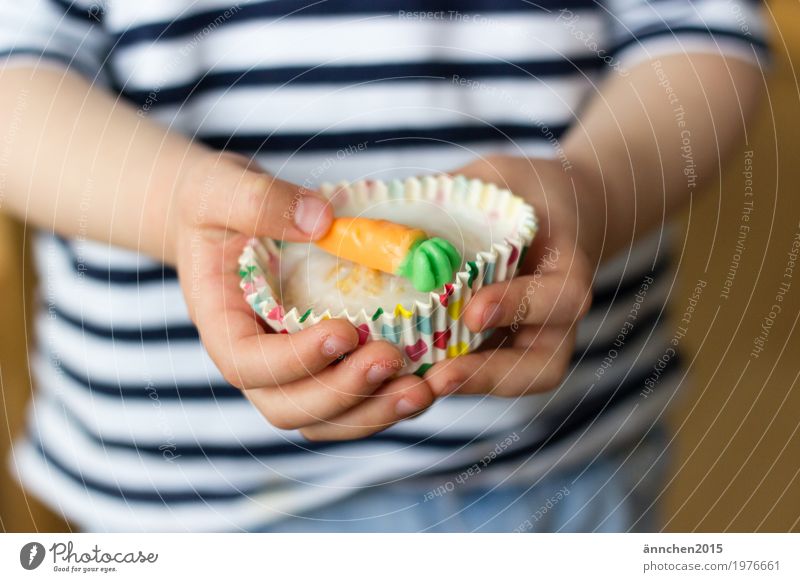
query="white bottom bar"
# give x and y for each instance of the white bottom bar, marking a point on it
(406, 558)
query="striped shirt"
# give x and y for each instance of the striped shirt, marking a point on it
(132, 426)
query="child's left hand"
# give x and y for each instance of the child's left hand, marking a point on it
(538, 310)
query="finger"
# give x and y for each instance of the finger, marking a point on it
(271, 359)
(553, 298)
(243, 198)
(331, 392)
(398, 400)
(246, 355)
(507, 372)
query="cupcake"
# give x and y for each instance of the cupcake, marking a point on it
(295, 285)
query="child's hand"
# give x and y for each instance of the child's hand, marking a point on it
(539, 308)
(289, 378)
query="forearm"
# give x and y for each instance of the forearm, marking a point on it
(649, 140)
(81, 163)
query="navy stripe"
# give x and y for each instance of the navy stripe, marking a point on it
(183, 391)
(282, 448)
(224, 16)
(151, 98)
(678, 31)
(578, 417)
(38, 53)
(157, 274)
(160, 274)
(445, 136)
(91, 15)
(142, 335)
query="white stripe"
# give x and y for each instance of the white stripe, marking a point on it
(421, 104)
(128, 362)
(155, 304)
(234, 421)
(39, 24)
(125, 14)
(132, 470)
(312, 169)
(722, 14)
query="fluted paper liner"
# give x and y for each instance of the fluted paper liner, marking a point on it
(424, 331)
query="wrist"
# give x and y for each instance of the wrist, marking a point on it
(592, 209)
(187, 210)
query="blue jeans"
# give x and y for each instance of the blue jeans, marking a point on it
(617, 492)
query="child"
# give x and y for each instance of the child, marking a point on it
(147, 141)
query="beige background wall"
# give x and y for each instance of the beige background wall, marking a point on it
(738, 443)
(737, 447)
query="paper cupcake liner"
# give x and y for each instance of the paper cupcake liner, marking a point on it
(425, 331)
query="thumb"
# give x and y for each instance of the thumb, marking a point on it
(240, 196)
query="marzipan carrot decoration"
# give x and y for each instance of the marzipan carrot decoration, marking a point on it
(393, 248)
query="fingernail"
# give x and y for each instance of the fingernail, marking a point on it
(378, 373)
(491, 315)
(406, 407)
(335, 346)
(310, 216)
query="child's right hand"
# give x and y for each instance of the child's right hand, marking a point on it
(222, 201)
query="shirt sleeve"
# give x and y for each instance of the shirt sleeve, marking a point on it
(647, 29)
(65, 31)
